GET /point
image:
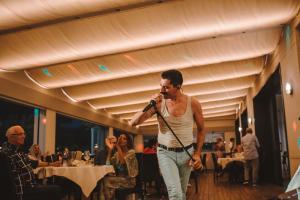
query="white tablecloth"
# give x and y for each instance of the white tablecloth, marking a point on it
(224, 161)
(85, 176)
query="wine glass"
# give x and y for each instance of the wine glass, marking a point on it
(72, 156)
(86, 156)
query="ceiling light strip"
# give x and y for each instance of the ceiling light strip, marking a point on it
(128, 103)
(5, 70)
(66, 94)
(33, 80)
(91, 105)
(123, 112)
(147, 124)
(205, 115)
(219, 105)
(206, 108)
(151, 123)
(218, 115)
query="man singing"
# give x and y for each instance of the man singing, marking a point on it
(180, 111)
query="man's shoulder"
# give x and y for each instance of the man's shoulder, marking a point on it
(6, 149)
(193, 99)
(2, 153)
(245, 137)
(195, 104)
(252, 136)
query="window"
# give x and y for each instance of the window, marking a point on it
(12, 113)
(77, 134)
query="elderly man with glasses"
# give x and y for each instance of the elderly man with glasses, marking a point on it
(24, 179)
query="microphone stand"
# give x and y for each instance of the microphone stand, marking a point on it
(159, 115)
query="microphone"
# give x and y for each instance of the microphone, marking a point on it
(150, 105)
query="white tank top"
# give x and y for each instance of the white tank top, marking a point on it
(182, 126)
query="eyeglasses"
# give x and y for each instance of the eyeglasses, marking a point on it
(19, 134)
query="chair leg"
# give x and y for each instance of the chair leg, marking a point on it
(196, 183)
(214, 177)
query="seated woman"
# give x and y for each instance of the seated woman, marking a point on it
(239, 151)
(231, 145)
(37, 159)
(220, 148)
(125, 165)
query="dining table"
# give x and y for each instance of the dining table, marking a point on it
(224, 161)
(85, 176)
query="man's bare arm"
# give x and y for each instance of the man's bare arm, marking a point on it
(198, 117)
(141, 116)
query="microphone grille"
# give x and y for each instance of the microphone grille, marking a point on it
(152, 102)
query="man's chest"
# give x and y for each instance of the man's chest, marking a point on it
(176, 109)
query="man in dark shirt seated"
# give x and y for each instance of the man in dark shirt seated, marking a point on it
(25, 183)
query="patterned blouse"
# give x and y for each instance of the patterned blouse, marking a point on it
(130, 168)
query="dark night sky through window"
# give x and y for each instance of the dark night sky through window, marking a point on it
(12, 113)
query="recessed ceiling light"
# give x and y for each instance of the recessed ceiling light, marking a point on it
(46, 72)
(288, 89)
(103, 68)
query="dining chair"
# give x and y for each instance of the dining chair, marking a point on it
(195, 175)
(138, 189)
(217, 168)
(151, 172)
(203, 160)
(235, 171)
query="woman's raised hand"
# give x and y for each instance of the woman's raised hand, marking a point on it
(110, 142)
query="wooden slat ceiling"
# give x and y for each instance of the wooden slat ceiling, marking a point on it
(110, 54)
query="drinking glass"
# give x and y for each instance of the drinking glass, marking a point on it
(86, 156)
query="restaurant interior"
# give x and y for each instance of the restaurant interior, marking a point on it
(73, 73)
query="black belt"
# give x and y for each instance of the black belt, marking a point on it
(176, 149)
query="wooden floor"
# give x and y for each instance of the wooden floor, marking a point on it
(223, 190)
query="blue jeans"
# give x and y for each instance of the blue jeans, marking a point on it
(175, 169)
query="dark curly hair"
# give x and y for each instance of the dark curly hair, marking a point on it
(174, 76)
